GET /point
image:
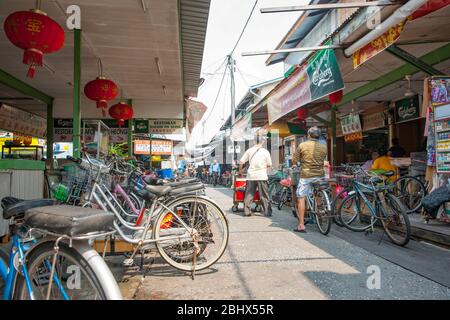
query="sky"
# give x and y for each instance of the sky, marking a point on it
(264, 32)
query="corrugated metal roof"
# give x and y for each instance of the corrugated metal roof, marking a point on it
(299, 31)
(193, 23)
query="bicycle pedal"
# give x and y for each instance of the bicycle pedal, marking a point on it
(128, 262)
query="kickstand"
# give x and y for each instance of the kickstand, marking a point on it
(142, 264)
(194, 259)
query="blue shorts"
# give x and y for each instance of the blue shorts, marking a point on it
(304, 186)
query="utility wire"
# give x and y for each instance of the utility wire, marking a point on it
(245, 26)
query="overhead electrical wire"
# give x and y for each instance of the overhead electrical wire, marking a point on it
(243, 29)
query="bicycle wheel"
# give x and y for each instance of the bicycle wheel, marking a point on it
(395, 220)
(283, 198)
(410, 191)
(209, 226)
(73, 279)
(322, 211)
(355, 213)
(335, 205)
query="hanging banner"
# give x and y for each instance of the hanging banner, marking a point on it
(378, 45)
(63, 130)
(165, 126)
(429, 7)
(194, 113)
(22, 122)
(320, 77)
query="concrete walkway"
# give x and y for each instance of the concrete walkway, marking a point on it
(266, 260)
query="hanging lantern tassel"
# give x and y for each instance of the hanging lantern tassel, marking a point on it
(33, 58)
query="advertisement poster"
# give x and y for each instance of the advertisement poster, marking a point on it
(440, 97)
(320, 77)
(22, 122)
(407, 109)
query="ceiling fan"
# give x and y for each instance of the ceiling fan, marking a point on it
(409, 92)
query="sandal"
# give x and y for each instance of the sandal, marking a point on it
(299, 231)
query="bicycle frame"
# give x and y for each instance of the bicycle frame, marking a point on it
(9, 272)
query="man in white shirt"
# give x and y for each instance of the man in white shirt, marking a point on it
(260, 163)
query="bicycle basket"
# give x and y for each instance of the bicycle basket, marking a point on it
(78, 180)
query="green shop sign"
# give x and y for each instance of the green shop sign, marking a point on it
(320, 77)
(407, 109)
(141, 126)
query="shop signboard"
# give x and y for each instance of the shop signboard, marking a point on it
(320, 77)
(165, 126)
(22, 122)
(63, 130)
(377, 45)
(407, 109)
(159, 147)
(141, 126)
(373, 121)
(350, 124)
(353, 137)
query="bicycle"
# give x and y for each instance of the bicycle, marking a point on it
(189, 232)
(54, 260)
(368, 202)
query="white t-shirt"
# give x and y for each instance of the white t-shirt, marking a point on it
(259, 162)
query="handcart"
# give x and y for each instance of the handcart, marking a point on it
(239, 187)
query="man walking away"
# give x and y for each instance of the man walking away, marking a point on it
(259, 164)
(311, 155)
(215, 169)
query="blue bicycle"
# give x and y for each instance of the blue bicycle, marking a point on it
(49, 256)
(371, 202)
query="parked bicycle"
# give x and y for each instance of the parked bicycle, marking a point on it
(370, 200)
(49, 256)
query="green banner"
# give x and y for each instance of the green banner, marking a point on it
(320, 77)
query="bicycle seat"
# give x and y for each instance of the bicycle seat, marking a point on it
(158, 190)
(18, 208)
(69, 220)
(322, 184)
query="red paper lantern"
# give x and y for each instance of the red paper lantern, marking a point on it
(121, 112)
(336, 97)
(101, 90)
(302, 113)
(35, 33)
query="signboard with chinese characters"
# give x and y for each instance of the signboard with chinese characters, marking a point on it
(353, 137)
(165, 126)
(407, 109)
(159, 147)
(63, 129)
(22, 122)
(320, 77)
(350, 124)
(378, 45)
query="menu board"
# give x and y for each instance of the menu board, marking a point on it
(159, 147)
(351, 124)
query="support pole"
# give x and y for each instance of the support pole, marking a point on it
(233, 116)
(333, 135)
(50, 137)
(77, 94)
(130, 132)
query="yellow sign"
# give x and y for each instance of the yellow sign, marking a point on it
(378, 45)
(353, 137)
